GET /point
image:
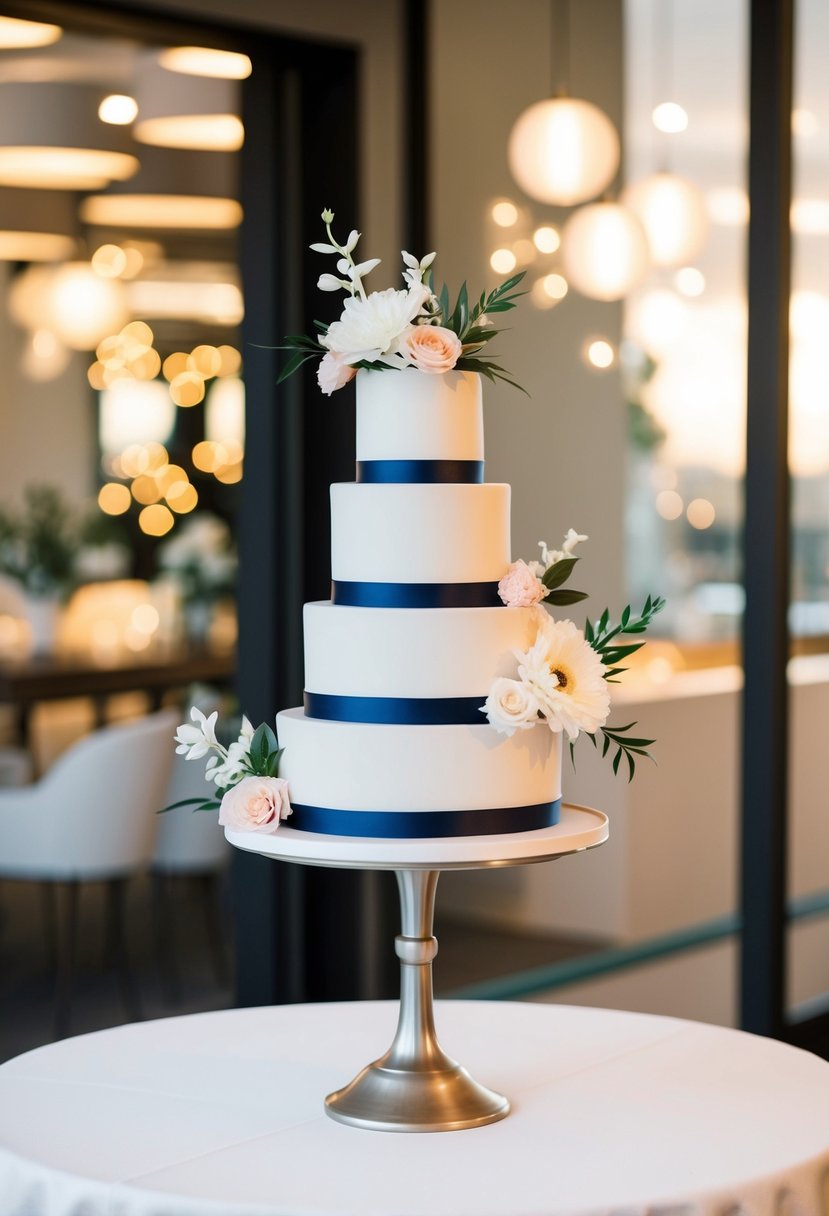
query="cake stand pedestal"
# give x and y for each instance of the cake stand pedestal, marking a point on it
(415, 1086)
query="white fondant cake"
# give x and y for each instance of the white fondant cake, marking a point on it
(392, 740)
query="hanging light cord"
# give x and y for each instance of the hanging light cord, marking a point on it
(560, 47)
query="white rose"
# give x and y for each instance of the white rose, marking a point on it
(511, 706)
(256, 804)
(368, 329)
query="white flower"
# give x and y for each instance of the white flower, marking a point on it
(567, 676)
(333, 372)
(416, 270)
(511, 706)
(257, 804)
(247, 731)
(196, 741)
(368, 329)
(232, 767)
(330, 282)
(549, 557)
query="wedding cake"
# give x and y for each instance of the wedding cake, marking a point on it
(438, 690)
(399, 663)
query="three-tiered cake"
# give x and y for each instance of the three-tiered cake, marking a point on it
(398, 664)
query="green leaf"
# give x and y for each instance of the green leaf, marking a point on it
(259, 747)
(573, 754)
(565, 597)
(294, 363)
(558, 573)
(616, 760)
(175, 805)
(606, 744)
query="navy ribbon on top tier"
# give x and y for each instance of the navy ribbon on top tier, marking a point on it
(420, 825)
(427, 472)
(400, 711)
(415, 595)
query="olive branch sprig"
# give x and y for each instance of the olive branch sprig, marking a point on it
(602, 637)
(467, 322)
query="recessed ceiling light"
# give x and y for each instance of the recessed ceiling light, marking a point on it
(206, 61)
(16, 34)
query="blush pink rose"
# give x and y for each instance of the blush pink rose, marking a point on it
(520, 588)
(333, 372)
(432, 348)
(256, 804)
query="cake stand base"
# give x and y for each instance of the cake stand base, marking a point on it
(416, 1086)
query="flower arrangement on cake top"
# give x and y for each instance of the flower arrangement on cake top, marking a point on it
(396, 329)
(561, 679)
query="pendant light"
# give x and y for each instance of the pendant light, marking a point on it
(36, 225)
(671, 208)
(174, 191)
(182, 110)
(563, 150)
(51, 138)
(17, 34)
(605, 251)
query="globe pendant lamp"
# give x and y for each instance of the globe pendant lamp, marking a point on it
(51, 138)
(563, 151)
(672, 212)
(605, 251)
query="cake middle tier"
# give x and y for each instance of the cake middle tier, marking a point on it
(412, 652)
(414, 533)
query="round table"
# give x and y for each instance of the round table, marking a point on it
(222, 1113)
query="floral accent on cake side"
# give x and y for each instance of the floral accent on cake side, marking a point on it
(254, 798)
(561, 679)
(395, 329)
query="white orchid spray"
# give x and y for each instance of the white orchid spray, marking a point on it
(561, 679)
(397, 329)
(253, 795)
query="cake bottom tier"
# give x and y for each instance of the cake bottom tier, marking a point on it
(364, 779)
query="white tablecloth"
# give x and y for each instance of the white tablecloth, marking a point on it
(222, 1113)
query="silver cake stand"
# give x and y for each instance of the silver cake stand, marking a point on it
(416, 1086)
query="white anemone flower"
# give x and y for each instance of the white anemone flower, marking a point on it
(196, 741)
(369, 329)
(566, 676)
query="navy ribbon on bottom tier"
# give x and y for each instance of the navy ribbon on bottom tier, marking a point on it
(400, 711)
(423, 825)
(416, 595)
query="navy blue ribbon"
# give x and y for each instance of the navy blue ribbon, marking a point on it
(405, 711)
(416, 595)
(396, 825)
(430, 472)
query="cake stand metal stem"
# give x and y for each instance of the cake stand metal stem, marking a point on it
(416, 1086)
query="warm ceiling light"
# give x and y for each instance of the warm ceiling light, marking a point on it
(205, 302)
(605, 251)
(83, 307)
(546, 239)
(505, 214)
(201, 132)
(156, 520)
(173, 212)
(186, 111)
(672, 211)
(206, 61)
(503, 261)
(563, 151)
(670, 118)
(34, 246)
(16, 34)
(118, 109)
(50, 138)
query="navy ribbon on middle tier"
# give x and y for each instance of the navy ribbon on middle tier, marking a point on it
(399, 711)
(416, 595)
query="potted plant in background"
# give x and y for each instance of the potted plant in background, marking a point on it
(37, 551)
(201, 560)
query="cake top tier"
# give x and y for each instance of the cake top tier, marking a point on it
(414, 416)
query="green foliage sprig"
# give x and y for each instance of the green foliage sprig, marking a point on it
(602, 637)
(466, 323)
(553, 578)
(260, 760)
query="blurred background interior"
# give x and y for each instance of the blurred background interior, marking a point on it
(162, 169)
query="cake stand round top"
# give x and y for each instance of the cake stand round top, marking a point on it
(579, 828)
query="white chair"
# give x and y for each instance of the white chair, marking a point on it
(189, 845)
(91, 818)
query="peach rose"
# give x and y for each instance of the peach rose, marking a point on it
(432, 348)
(520, 588)
(256, 804)
(333, 372)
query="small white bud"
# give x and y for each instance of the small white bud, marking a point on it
(327, 216)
